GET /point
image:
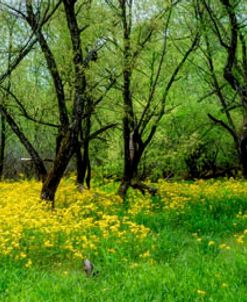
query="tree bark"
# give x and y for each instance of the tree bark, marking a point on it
(33, 21)
(244, 157)
(2, 145)
(82, 165)
(130, 177)
(88, 177)
(69, 140)
(38, 162)
(65, 152)
(83, 170)
(243, 149)
(134, 130)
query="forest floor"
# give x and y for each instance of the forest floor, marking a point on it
(189, 243)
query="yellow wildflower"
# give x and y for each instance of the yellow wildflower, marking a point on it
(23, 255)
(29, 263)
(201, 292)
(47, 243)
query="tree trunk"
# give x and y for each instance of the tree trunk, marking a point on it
(2, 145)
(243, 154)
(83, 166)
(69, 141)
(83, 163)
(66, 150)
(135, 183)
(88, 177)
(243, 148)
(132, 160)
(38, 162)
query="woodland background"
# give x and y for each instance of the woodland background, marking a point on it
(131, 90)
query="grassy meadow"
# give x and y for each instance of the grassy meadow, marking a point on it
(189, 243)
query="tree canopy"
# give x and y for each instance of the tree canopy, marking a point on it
(126, 89)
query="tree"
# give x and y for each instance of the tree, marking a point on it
(6, 116)
(74, 129)
(2, 144)
(228, 81)
(140, 121)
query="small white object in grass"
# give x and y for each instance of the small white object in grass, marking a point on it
(88, 267)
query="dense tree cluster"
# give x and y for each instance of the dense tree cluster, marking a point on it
(123, 88)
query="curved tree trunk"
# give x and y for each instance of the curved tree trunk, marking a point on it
(69, 140)
(66, 150)
(38, 162)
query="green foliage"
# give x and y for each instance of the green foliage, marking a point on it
(186, 140)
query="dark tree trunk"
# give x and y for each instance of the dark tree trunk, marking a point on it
(129, 118)
(60, 135)
(133, 144)
(69, 141)
(66, 150)
(88, 177)
(234, 72)
(79, 163)
(132, 160)
(243, 154)
(38, 162)
(135, 183)
(82, 164)
(2, 145)
(33, 21)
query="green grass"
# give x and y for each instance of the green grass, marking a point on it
(176, 277)
(184, 266)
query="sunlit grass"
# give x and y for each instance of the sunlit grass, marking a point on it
(189, 243)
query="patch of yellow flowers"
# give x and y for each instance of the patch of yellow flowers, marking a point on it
(177, 195)
(85, 223)
(77, 228)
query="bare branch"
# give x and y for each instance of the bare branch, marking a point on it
(225, 126)
(24, 111)
(154, 82)
(101, 130)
